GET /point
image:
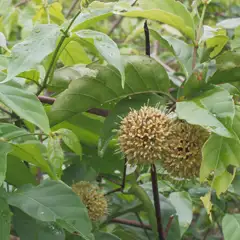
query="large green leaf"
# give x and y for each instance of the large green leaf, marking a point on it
(218, 154)
(74, 53)
(25, 104)
(55, 154)
(231, 226)
(29, 228)
(143, 75)
(179, 48)
(228, 68)
(183, 205)
(88, 18)
(5, 148)
(105, 236)
(106, 47)
(32, 152)
(5, 220)
(170, 12)
(53, 201)
(213, 109)
(26, 54)
(18, 173)
(71, 140)
(9, 131)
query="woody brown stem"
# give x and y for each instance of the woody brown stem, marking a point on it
(157, 202)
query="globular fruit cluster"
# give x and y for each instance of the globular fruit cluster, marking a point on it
(142, 134)
(94, 200)
(148, 135)
(182, 155)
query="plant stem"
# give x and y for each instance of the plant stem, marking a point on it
(145, 229)
(157, 202)
(55, 54)
(25, 135)
(131, 223)
(198, 36)
(147, 39)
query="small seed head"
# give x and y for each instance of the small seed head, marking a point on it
(94, 200)
(182, 154)
(142, 134)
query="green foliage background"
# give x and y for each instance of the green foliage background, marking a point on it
(69, 69)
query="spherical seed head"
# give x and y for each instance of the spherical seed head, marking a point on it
(182, 155)
(142, 133)
(94, 201)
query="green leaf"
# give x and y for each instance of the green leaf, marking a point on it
(235, 43)
(183, 205)
(105, 236)
(10, 131)
(71, 140)
(217, 43)
(106, 47)
(179, 48)
(73, 54)
(87, 18)
(236, 184)
(5, 220)
(26, 54)
(170, 12)
(222, 182)
(214, 109)
(25, 104)
(5, 148)
(218, 154)
(18, 173)
(32, 152)
(231, 226)
(139, 192)
(229, 23)
(55, 154)
(53, 201)
(29, 228)
(228, 68)
(143, 75)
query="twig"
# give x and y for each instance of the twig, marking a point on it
(21, 3)
(96, 111)
(6, 111)
(194, 60)
(117, 22)
(157, 202)
(55, 54)
(123, 181)
(131, 223)
(74, 4)
(168, 225)
(145, 230)
(147, 39)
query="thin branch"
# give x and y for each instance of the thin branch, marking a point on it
(131, 223)
(6, 111)
(96, 111)
(117, 22)
(168, 225)
(55, 54)
(145, 230)
(21, 3)
(123, 181)
(147, 39)
(157, 202)
(74, 4)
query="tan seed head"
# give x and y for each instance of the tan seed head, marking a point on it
(142, 134)
(94, 201)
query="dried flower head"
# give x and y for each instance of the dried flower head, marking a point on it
(142, 133)
(94, 200)
(182, 154)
